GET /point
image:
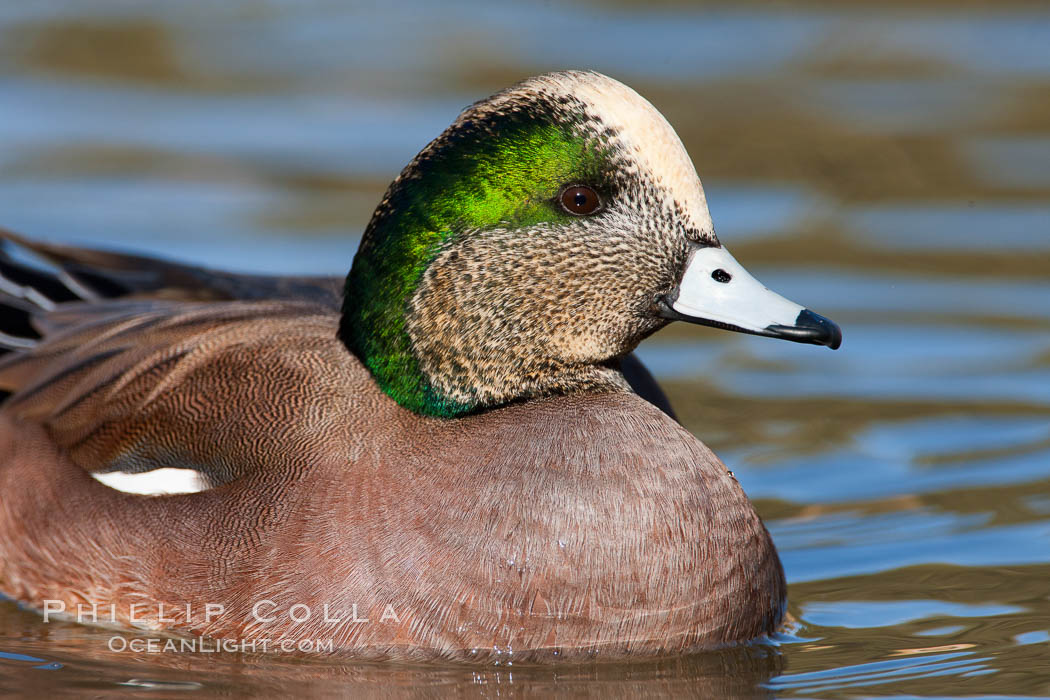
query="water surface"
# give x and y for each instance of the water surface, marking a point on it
(887, 164)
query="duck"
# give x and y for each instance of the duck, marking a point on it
(452, 454)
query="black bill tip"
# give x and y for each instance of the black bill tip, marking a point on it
(810, 328)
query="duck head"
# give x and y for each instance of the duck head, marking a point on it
(540, 238)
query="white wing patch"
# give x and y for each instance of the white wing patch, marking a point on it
(159, 482)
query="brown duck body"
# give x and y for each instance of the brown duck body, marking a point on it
(563, 526)
(451, 459)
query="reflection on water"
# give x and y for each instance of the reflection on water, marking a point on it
(886, 164)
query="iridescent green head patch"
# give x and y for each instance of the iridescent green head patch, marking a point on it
(491, 169)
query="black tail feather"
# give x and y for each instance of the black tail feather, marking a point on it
(26, 291)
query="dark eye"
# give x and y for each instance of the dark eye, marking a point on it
(580, 200)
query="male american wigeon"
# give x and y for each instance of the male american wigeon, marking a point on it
(456, 460)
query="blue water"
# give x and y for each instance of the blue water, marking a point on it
(887, 164)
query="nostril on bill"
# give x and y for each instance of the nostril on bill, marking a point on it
(721, 275)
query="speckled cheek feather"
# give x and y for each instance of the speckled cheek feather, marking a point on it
(449, 341)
